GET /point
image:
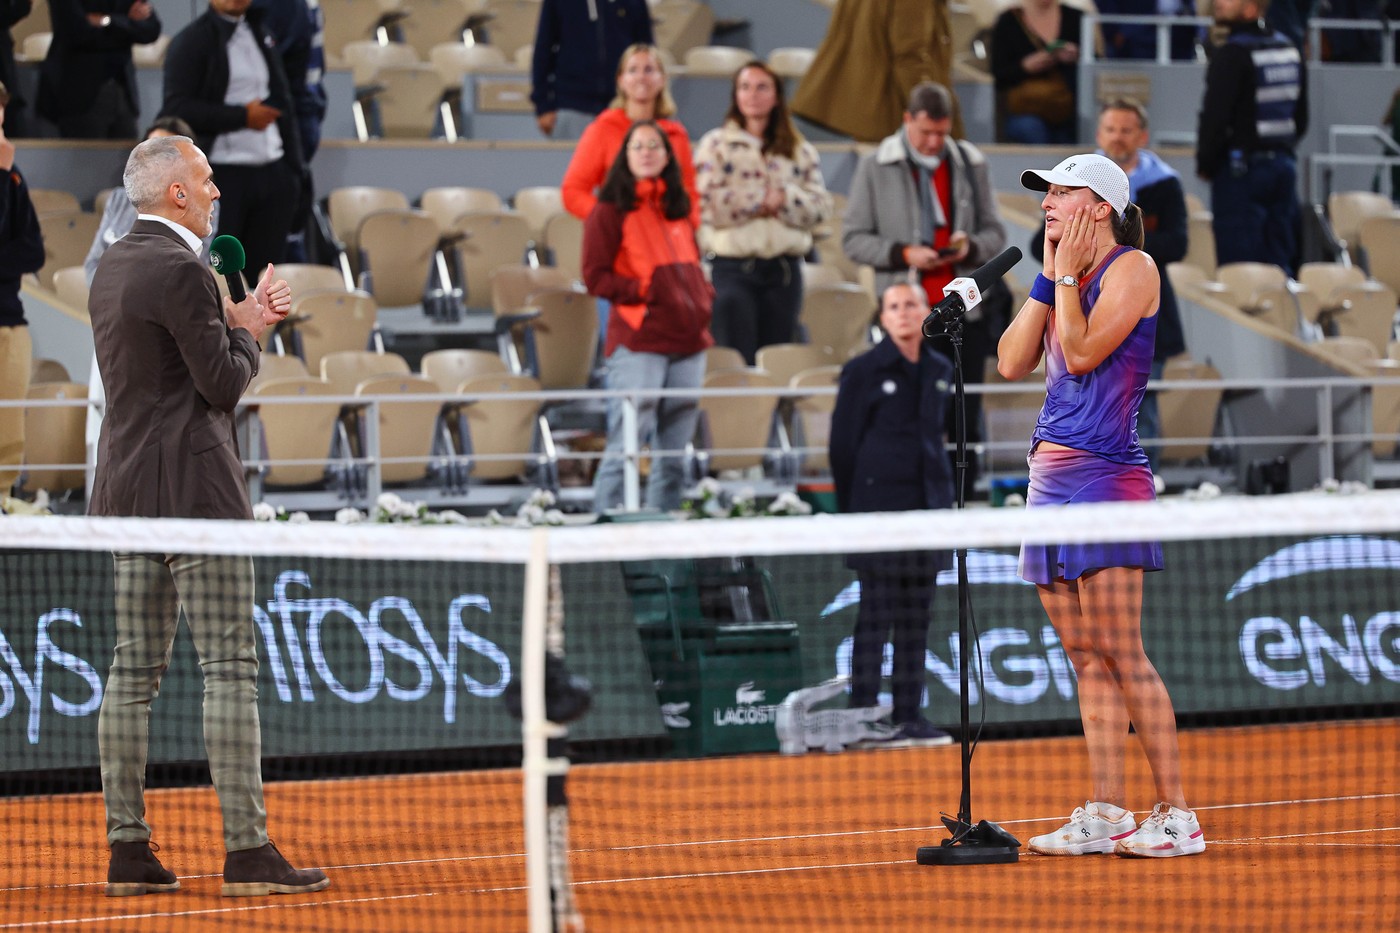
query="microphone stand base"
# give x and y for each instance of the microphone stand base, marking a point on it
(983, 844)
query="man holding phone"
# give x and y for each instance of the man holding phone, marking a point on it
(922, 210)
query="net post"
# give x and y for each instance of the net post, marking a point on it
(534, 733)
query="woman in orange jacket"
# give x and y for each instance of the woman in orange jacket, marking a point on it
(639, 253)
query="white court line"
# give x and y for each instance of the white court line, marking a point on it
(1244, 841)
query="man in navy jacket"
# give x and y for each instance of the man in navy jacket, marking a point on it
(577, 48)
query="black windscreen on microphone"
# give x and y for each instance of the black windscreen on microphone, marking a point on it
(1001, 264)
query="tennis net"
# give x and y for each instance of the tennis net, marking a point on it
(707, 773)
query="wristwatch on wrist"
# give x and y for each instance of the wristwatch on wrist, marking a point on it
(104, 22)
(1069, 280)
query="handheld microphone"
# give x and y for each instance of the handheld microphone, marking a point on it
(227, 257)
(963, 294)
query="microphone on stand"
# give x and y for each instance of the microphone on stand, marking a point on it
(965, 293)
(228, 259)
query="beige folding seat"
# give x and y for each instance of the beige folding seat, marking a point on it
(67, 239)
(537, 204)
(296, 432)
(1380, 239)
(1385, 409)
(718, 358)
(152, 54)
(431, 23)
(716, 60)
(791, 62)
(1326, 278)
(1200, 241)
(348, 207)
(397, 254)
(356, 20)
(1188, 414)
(343, 370)
(42, 369)
(1280, 307)
(450, 368)
(1346, 210)
(1009, 417)
(837, 317)
(366, 56)
(34, 47)
(512, 286)
(278, 366)
(511, 23)
(681, 25)
(488, 240)
(783, 361)
(561, 341)
(54, 201)
(1355, 350)
(54, 438)
(447, 204)
(811, 417)
(327, 322)
(307, 278)
(70, 284)
(819, 274)
(1366, 311)
(411, 102)
(563, 238)
(1244, 281)
(502, 430)
(408, 426)
(734, 430)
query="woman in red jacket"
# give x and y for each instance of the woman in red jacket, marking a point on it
(639, 253)
(641, 95)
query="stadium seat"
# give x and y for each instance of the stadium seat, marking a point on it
(300, 432)
(1355, 350)
(1326, 278)
(325, 322)
(819, 274)
(1385, 409)
(1380, 241)
(718, 358)
(70, 284)
(42, 369)
(306, 278)
(783, 361)
(397, 253)
(450, 368)
(408, 428)
(503, 431)
(347, 208)
(489, 239)
(344, 370)
(410, 102)
(152, 54)
(716, 60)
(811, 418)
(53, 201)
(561, 341)
(35, 47)
(54, 436)
(537, 204)
(1244, 281)
(1009, 418)
(510, 23)
(1188, 414)
(431, 23)
(447, 204)
(837, 317)
(1280, 307)
(1347, 209)
(563, 240)
(791, 62)
(366, 57)
(67, 239)
(356, 20)
(734, 430)
(278, 366)
(1366, 311)
(681, 25)
(1200, 248)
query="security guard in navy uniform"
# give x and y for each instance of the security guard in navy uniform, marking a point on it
(1254, 112)
(888, 453)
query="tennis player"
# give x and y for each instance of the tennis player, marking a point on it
(1093, 314)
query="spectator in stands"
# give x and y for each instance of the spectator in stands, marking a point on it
(1155, 188)
(641, 95)
(299, 29)
(11, 12)
(873, 55)
(761, 193)
(224, 78)
(639, 252)
(1351, 45)
(1251, 118)
(176, 360)
(888, 452)
(1391, 123)
(922, 209)
(1290, 17)
(578, 45)
(21, 252)
(1035, 53)
(1133, 40)
(87, 83)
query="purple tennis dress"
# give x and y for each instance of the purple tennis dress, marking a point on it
(1095, 414)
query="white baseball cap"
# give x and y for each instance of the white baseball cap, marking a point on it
(1092, 171)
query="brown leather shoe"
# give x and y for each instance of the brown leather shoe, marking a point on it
(134, 869)
(253, 872)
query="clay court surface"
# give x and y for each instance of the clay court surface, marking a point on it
(1303, 823)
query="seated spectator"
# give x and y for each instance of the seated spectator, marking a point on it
(642, 94)
(1035, 48)
(1351, 45)
(639, 253)
(1289, 17)
(761, 193)
(21, 252)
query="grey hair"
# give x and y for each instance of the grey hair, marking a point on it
(917, 288)
(151, 168)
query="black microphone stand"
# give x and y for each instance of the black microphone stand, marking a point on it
(983, 843)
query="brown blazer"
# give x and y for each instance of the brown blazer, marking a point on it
(173, 372)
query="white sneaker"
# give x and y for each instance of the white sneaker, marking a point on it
(1167, 832)
(1088, 832)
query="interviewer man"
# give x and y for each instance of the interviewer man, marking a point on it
(174, 366)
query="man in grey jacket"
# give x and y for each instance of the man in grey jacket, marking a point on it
(922, 209)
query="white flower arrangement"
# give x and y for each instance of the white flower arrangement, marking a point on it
(10, 505)
(537, 509)
(1206, 490)
(710, 500)
(263, 512)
